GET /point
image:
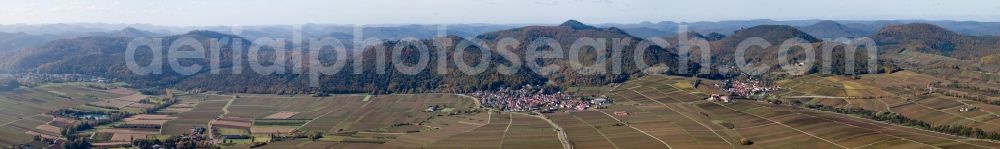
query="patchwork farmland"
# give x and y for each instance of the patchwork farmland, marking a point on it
(342, 118)
(662, 112)
(649, 112)
(24, 111)
(910, 94)
(769, 126)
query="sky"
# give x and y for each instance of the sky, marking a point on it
(261, 12)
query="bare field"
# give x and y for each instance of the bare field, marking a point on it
(440, 128)
(281, 115)
(362, 118)
(530, 132)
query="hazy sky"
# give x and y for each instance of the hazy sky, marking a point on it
(259, 12)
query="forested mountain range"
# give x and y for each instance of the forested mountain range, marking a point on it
(103, 55)
(935, 50)
(832, 29)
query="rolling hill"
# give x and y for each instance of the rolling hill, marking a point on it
(933, 39)
(567, 33)
(832, 29)
(934, 50)
(104, 56)
(17, 41)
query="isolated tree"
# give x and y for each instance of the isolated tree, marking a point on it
(746, 141)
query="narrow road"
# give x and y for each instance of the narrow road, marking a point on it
(563, 138)
(366, 99)
(476, 100)
(637, 129)
(891, 126)
(598, 131)
(799, 97)
(706, 126)
(783, 124)
(877, 131)
(225, 110)
(22, 118)
(505, 130)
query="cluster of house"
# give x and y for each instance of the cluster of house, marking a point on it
(967, 109)
(533, 100)
(600, 101)
(434, 108)
(717, 97)
(32, 78)
(747, 87)
(734, 89)
(621, 113)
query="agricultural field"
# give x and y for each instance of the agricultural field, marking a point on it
(206, 108)
(661, 114)
(588, 91)
(682, 120)
(441, 128)
(276, 126)
(23, 111)
(906, 93)
(368, 113)
(314, 144)
(344, 118)
(649, 112)
(505, 130)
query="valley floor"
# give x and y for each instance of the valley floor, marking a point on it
(661, 112)
(649, 112)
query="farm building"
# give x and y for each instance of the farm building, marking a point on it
(621, 113)
(717, 97)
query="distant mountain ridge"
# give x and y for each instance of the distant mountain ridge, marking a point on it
(931, 49)
(933, 39)
(103, 56)
(775, 34)
(126, 32)
(16, 41)
(832, 29)
(576, 25)
(568, 32)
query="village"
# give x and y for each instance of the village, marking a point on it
(529, 99)
(36, 78)
(742, 89)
